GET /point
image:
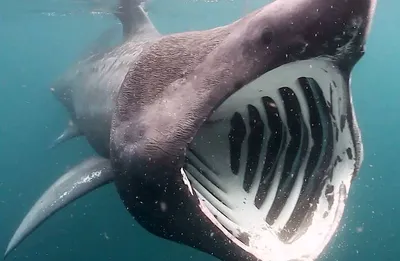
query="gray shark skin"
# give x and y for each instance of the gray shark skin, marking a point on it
(88, 90)
(239, 141)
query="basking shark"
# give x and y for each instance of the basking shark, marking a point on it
(239, 141)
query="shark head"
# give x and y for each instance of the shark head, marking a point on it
(242, 141)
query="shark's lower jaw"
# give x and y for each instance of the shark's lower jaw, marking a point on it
(273, 165)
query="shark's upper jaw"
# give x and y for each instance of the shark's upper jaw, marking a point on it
(274, 163)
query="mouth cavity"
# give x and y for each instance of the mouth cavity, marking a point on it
(274, 163)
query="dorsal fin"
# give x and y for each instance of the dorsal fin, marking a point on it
(134, 19)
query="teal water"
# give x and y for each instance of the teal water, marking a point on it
(40, 39)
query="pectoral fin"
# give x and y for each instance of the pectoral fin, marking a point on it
(70, 132)
(77, 182)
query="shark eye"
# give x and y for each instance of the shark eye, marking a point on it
(266, 37)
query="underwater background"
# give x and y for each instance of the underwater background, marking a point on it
(40, 39)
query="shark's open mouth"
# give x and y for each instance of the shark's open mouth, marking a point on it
(274, 163)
